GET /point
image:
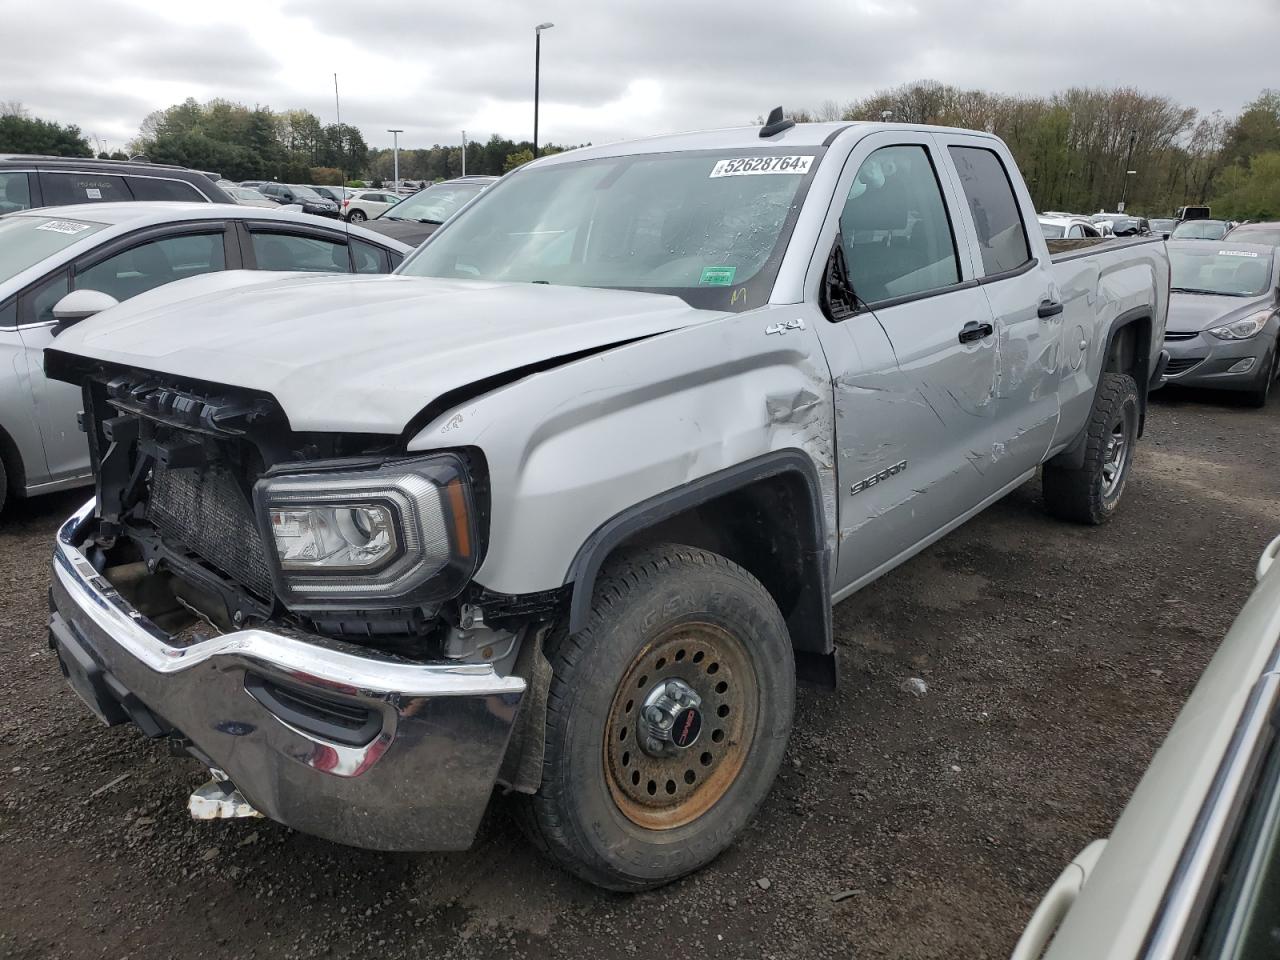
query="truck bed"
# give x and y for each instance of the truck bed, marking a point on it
(1060, 250)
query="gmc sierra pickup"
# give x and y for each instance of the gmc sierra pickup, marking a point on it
(564, 505)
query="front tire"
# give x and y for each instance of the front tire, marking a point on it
(1259, 395)
(680, 645)
(4, 486)
(1090, 494)
(357, 216)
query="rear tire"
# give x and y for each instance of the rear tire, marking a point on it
(357, 216)
(617, 806)
(1090, 494)
(4, 485)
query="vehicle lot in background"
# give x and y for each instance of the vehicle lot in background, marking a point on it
(1056, 660)
(249, 197)
(416, 217)
(35, 181)
(1163, 226)
(307, 199)
(1067, 228)
(124, 250)
(1199, 230)
(1268, 233)
(336, 194)
(1224, 316)
(366, 204)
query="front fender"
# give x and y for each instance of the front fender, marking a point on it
(570, 448)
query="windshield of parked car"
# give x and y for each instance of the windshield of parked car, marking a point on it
(1052, 231)
(26, 240)
(1219, 270)
(1257, 233)
(1199, 230)
(434, 204)
(708, 226)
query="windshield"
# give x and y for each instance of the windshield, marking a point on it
(1052, 231)
(1200, 230)
(1236, 273)
(25, 241)
(1258, 233)
(434, 204)
(707, 226)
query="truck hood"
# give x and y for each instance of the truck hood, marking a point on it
(362, 354)
(1193, 312)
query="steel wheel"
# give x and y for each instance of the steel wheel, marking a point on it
(1115, 457)
(680, 726)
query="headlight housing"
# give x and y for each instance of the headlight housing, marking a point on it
(396, 535)
(1241, 329)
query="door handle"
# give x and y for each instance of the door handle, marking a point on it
(1049, 308)
(973, 330)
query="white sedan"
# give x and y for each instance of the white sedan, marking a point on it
(367, 204)
(1068, 228)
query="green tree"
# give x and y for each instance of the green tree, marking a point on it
(1252, 191)
(517, 159)
(20, 133)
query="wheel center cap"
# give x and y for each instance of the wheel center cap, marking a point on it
(672, 718)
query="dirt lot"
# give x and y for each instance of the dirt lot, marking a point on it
(1056, 658)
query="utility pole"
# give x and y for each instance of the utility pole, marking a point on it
(395, 157)
(464, 153)
(537, 70)
(1128, 161)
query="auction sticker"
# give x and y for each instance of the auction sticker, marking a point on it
(718, 276)
(1236, 253)
(69, 227)
(753, 166)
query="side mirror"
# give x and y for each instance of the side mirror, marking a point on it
(80, 304)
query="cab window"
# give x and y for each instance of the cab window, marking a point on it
(1002, 238)
(896, 233)
(61, 189)
(153, 264)
(368, 258)
(283, 251)
(151, 188)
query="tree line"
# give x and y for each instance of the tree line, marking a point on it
(1075, 147)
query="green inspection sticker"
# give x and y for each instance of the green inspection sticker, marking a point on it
(718, 276)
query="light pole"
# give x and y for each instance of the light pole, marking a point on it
(537, 69)
(464, 153)
(395, 157)
(1124, 186)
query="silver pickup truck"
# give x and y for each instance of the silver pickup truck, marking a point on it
(564, 505)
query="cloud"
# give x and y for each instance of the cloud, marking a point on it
(611, 70)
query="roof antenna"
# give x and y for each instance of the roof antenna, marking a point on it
(775, 124)
(342, 173)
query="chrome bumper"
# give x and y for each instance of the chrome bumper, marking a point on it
(437, 732)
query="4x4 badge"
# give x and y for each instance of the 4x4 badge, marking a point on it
(783, 326)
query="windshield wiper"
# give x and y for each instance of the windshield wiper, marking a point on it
(429, 220)
(1207, 293)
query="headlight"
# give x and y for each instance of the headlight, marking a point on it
(1241, 329)
(399, 534)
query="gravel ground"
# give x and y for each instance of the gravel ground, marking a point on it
(903, 826)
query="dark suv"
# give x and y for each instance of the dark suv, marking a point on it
(33, 181)
(310, 201)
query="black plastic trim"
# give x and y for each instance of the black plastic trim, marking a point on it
(810, 623)
(1025, 267)
(831, 137)
(922, 295)
(329, 718)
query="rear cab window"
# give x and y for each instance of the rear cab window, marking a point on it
(1002, 236)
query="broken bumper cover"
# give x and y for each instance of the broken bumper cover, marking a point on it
(353, 747)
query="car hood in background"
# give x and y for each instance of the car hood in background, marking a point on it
(362, 354)
(1193, 312)
(412, 232)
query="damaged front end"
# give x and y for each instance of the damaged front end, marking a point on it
(296, 610)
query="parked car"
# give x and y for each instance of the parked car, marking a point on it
(1193, 213)
(1224, 316)
(249, 197)
(1067, 228)
(1163, 226)
(35, 181)
(336, 194)
(366, 204)
(252, 183)
(57, 266)
(1192, 867)
(1268, 233)
(306, 199)
(1199, 230)
(578, 486)
(1122, 225)
(415, 218)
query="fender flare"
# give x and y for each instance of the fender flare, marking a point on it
(810, 621)
(1072, 458)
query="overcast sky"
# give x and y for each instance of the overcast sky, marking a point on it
(610, 70)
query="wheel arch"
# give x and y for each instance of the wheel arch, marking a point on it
(765, 515)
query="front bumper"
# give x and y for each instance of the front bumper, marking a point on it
(436, 732)
(1205, 361)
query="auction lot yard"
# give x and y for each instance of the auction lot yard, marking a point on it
(1056, 658)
